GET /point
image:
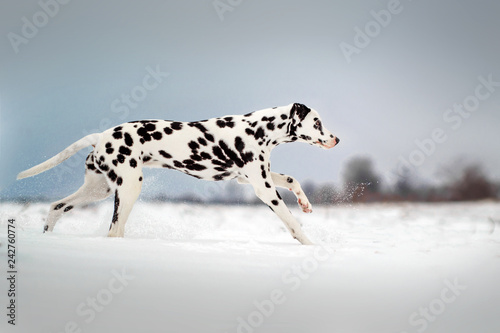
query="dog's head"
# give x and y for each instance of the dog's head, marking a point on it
(306, 126)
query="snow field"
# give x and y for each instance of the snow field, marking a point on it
(195, 268)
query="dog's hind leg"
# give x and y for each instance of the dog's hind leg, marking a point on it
(93, 189)
(126, 193)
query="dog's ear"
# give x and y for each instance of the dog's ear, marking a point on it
(299, 111)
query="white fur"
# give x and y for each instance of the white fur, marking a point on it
(215, 149)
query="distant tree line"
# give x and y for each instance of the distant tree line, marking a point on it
(362, 183)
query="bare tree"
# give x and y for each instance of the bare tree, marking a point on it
(359, 171)
(472, 185)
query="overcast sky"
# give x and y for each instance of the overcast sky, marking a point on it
(409, 82)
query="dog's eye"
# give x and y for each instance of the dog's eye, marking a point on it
(317, 125)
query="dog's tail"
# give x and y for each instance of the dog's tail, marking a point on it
(61, 157)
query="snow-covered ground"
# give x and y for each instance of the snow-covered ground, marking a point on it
(194, 268)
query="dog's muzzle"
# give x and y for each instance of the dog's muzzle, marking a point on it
(330, 143)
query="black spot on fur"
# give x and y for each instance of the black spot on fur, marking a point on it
(167, 130)
(119, 181)
(176, 125)
(205, 156)
(275, 202)
(120, 158)
(67, 209)
(146, 158)
(112, 175)
(133, 163)
(221, 176)
(157, 135)
(117, 135)
(231, 154)
(125, 151)
(270, 126)
(305, 137)
(140, 179)
(193, 145)
(284, 116)
(209, 137)
(221, 123)
(115, 213)
(118, 128)
(196, 167)
(109, 151)
(195, 157)
(108, 145)
(278, 195)
(202, 141)
(239, 144)
(59, 206)
(128, 140)
(165, 154)
(268, 185)
(103, 167)
(289, 180)
(198, 126)
(249, 131)
(259, 133)
(145, 136)
(150, 127)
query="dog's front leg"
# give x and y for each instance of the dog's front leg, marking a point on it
(266, 191)
(290, 183)
(293, 185)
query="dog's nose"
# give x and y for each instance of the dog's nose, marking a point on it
(337, 140)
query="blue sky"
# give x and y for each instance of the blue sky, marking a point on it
(401, 82)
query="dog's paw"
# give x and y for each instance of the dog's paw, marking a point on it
(305, 205)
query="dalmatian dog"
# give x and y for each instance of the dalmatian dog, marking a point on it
(215, 149)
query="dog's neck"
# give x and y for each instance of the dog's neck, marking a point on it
(275, 129)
